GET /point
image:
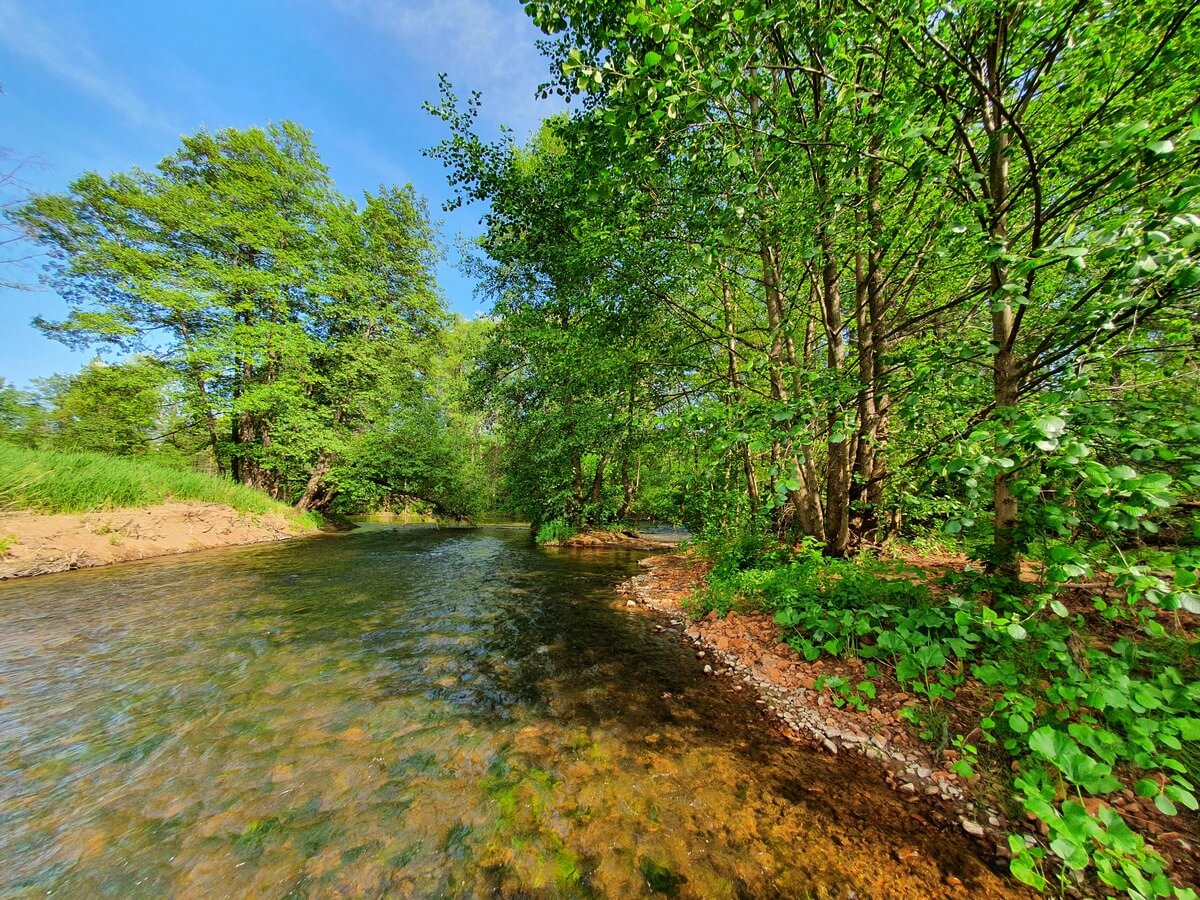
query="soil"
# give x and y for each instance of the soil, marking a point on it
(745, 648)
(37, 544)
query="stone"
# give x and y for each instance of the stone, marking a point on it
(631, 603)
(972, 828)
(708, 670)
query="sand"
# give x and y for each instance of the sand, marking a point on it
(37, 544)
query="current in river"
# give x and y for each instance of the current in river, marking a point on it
(412, 712)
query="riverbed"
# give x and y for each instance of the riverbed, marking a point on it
(412, 712)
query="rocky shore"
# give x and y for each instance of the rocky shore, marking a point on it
(745, 650)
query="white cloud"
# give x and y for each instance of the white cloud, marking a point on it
(484, 45)
(67, 56)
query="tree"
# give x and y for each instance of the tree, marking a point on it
(120, 408)
(281, 307)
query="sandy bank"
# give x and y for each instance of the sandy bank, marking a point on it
(37, 544)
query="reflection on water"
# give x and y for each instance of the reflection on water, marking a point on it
(413, 712)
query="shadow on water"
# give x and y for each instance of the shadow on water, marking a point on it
(411, 712)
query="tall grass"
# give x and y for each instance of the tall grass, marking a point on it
(51, 481)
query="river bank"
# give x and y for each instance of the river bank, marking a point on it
(611, 540)
(40, 544)
(745, 648)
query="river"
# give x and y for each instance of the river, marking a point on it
(412, 712)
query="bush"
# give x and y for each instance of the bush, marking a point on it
(555, 531)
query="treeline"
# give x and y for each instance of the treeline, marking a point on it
(829, 275)
(292, 340)
(886, 264)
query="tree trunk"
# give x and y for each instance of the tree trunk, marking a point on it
(837, 475)
(735, 392)
(316, 494)
(805, 501)
(1005, 384)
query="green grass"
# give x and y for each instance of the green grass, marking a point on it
(50, 481)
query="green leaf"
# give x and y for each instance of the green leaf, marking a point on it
(1146, 788)
(652, 58)
(1050, 743)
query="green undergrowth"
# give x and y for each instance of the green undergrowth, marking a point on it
(555, 531)
(49, 481)
(1080, 701)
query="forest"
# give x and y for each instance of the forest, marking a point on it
(833, 285)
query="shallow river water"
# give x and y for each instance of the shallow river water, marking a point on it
(411, 712)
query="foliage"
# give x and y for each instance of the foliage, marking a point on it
(119, 409)
(856, 272)
(292, 318)
(554, 532)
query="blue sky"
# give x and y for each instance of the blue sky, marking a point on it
(109, 85)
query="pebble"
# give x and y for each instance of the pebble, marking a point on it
(631, 603)
(708, 670)
(972, 828)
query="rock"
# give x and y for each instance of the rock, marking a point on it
(631, 603)
(908, 787)
(972, 828)
(923, 772)
(707, 669)
(700, 655)
(829, 745)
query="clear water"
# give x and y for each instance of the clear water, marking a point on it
(410, 712)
